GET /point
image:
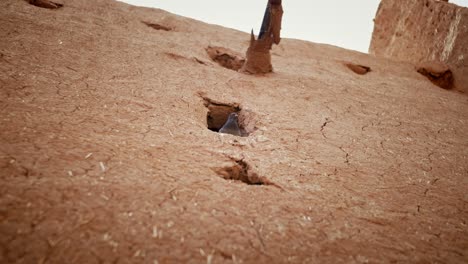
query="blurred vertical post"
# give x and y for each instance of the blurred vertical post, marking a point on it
(258, 57)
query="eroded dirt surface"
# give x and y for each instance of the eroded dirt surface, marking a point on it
(105, 154)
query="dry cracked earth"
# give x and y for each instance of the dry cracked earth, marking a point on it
(109, 151)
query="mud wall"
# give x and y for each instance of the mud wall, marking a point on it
(423, 30)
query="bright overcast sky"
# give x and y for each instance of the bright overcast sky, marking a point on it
(343, 23)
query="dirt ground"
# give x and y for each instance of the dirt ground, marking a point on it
(106, 155)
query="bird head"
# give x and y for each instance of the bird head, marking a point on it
(233, 116)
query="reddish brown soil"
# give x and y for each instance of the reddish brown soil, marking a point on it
(105, 155)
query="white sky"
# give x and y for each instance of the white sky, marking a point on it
(343, 23)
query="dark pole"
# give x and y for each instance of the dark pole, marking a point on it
(265, 22)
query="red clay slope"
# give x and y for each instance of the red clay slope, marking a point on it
(105, 155)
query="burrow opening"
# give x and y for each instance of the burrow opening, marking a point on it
(358, 69)
(157, 26)
(218, 114)
(226, 58)
(45, 4)
(438, 74)
(240, 170)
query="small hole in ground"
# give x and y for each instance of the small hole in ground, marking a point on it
(438, 73)
(157, 26)
(45, 4)
(358, 69)
(240, 170)
(218, 114)
(227, 58)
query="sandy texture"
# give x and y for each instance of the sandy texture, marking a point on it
(421, 31)
(105, 154)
